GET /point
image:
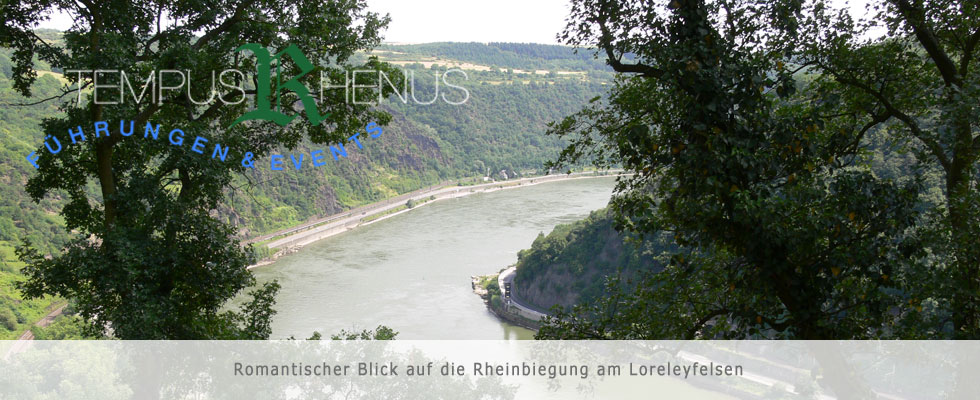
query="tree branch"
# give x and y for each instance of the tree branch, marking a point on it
(876, 118)
(909, 122)
(915, 17)
(606, 43)
(971, 45)
(227, 24)
(57, 96)
(690, 335)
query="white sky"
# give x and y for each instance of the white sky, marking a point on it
(533, 21)
(420, 21)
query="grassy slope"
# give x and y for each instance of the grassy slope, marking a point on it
(21, 218)
(23, 312)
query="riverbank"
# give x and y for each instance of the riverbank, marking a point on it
(292, 239)
(488, 288)
(410, 272)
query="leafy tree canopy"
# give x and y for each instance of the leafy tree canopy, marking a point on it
(149, 259)
(751, 154)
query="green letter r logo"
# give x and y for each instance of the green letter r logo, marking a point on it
(263, 108)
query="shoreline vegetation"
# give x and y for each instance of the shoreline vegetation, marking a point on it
(488, 288)
(272, 246)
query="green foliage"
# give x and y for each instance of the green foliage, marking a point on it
(7, 319)
(782, 230)
(492, 286)
(921, 82)
(380, 333)
(570, 265)
(495, 301)
(149, 259)
(501, 128)
(24, 312)
(63, 328)
(19, 217)
(66, 326)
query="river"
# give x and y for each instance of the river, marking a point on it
(412, 272)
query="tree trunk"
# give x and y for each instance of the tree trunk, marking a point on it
(966, 263)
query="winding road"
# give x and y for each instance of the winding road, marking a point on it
(524, 309)
(24, 341)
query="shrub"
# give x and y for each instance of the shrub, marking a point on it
(65, 327)
(493, 288)
(495, 301)
(7, 319)
(4, 267)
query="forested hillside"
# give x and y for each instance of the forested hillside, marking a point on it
(574, 264)
(21, 218)
(571, 264)
(500, 128)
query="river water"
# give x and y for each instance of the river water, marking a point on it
(412, 272)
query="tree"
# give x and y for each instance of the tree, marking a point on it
(783, 231)
(380, 333)
(150, 260)
(911, 68)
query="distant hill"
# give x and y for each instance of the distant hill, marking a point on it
(501, 127)
(526, 56)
